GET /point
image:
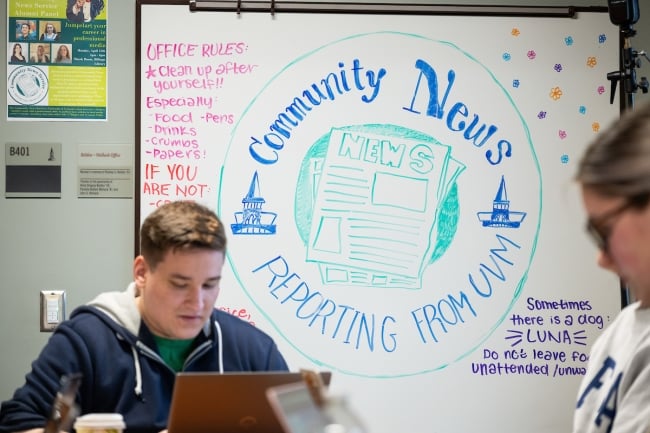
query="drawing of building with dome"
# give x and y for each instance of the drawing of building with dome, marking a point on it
(252, 220)
(501, 215)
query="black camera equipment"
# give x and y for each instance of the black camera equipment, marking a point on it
(625, 13)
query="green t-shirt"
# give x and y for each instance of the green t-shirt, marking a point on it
(174, 352)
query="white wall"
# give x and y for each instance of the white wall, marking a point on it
(85, 246)
(82, 246)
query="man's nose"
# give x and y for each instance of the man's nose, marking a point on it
(195, 296)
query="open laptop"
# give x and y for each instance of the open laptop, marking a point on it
(296, 409)
(211, 402)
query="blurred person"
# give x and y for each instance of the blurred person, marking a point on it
(26, 33)
(50, 34)
(17, 54)
(40, 56)
(83, 11)
(63, 55)
(614, 178)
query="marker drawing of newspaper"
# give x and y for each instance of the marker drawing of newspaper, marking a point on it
(380, 191)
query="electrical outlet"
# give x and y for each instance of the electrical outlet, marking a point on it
(52, 309)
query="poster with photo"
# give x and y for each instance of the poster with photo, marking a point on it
(56, 60)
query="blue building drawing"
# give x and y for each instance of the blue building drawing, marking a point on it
(252, 220)
(501, 215)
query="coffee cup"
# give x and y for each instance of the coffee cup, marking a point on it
(99, 423)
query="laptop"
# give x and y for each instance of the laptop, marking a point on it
(232, 402)
(296, 409)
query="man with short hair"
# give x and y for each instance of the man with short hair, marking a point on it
(129, 345)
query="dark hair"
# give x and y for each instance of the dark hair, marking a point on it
(617, 162)
(182, 225)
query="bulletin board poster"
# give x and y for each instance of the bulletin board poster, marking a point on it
(56, 60)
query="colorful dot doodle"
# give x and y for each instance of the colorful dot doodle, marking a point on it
(582, 109)
(557, 67)
(515, 32)
(515, 83)
(506, 57)
(556, 93)
(591, 61)
(595, 126)
(531, 54)
(541, 115)
(562, 134)
(568, 40)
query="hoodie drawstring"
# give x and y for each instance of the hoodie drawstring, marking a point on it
(138, 373)
(138, 370)
(219, 340)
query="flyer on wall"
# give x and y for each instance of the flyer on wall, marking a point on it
(56, 60)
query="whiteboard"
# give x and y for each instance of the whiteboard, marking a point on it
(398, 194)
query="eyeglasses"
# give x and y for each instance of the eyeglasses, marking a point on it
(596, 227)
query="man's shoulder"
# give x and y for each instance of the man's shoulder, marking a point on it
(88, 319)
(85, 317)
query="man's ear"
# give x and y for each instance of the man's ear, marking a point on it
(140, 270)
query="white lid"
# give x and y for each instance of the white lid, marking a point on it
(100, 420)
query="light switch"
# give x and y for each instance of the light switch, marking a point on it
(52, 309)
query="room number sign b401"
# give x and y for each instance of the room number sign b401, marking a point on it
(18, 150)
(33, 170)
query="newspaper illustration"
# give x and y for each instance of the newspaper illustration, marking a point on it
(366, 230)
